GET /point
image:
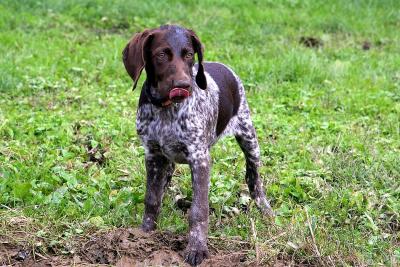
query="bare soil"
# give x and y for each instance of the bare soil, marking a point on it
(127, 247)
(310, 41)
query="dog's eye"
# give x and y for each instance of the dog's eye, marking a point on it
(189, 55)
(161, 55)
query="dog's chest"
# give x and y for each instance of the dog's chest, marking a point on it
(173, 133)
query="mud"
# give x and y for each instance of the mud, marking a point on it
(128, 247)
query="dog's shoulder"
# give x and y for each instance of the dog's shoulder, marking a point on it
(229, 92)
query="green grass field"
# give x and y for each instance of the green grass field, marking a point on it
(327, 119)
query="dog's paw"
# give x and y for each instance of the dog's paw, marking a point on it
(196, 256)
(148, 225)
(264, 207)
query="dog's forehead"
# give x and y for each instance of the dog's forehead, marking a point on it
(177, 38)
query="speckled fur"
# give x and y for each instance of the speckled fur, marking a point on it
(182, 130)
(184, 133)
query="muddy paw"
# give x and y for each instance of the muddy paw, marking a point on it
(195, 257)
(148, 225)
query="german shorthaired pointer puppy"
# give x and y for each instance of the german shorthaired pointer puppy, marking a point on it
(184, 108)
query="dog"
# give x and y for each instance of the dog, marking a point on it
(184, 108)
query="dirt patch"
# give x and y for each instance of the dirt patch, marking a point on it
(132, 247)
(310, 41)
(366, 45)
(129, 247)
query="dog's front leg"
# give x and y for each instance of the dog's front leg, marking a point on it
(159, 172)
(196, 250)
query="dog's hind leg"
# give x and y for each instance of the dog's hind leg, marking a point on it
(159, 173)
(247, 139)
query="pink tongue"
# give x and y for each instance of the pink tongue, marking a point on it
(178, 94)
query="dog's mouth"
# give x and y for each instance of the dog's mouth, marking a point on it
(177, 95)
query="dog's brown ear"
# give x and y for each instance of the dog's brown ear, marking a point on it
(133, 55)
(198, 47)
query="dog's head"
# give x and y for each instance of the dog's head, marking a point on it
(168, 55)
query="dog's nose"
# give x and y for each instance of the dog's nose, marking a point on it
(181, 84)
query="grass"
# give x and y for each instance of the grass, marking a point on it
(327, 120)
